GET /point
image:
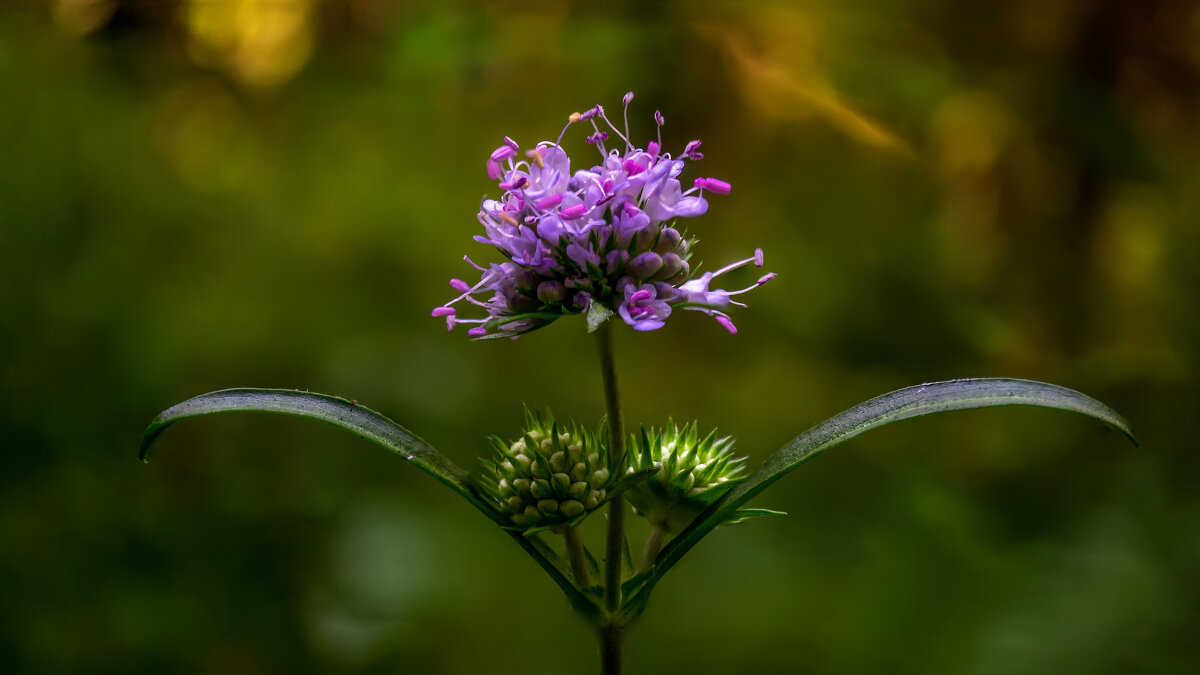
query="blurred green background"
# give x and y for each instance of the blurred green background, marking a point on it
(198, 194)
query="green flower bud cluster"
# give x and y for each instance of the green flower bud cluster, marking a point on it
(694, 473)
(551, 475)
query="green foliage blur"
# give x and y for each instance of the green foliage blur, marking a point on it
(199, 194)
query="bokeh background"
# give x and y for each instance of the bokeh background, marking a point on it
(198, 194)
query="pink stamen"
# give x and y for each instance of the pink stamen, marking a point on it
(651, 149)
(765, 278)
(444, 311)
(502, 153)
(477, 331)
(493, 170)
(511, 143)
(713, 185)
(639, 296)
(460, 285)
(549, 202)
(724, 321)
(758, 257)
(573, 212)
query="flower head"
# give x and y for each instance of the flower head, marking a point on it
(551, 476)
(694, 472)
(604, 234)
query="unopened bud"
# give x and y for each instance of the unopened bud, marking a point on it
(668, 240)
(541, 489)
(532, 515)
(551, 292)
(560, 482)
(670, 267)
(645, 265)
(579, 472)
(579, 491)
(646, 237)
(522, 486)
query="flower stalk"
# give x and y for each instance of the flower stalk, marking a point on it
(610, 633)
(654, 544)
(575, 556)
(614, 543)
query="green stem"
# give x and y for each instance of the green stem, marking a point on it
(614, 544)
(575, 555)
(654, 544)
(610, 649)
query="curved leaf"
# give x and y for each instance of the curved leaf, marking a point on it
(374, 427)
(902, 404)
(329, 409)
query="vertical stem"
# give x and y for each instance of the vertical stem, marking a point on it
(575, 555)
(654, 543)
(610, 650)
(614, 544)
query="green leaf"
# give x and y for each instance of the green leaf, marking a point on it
(902, 404)
(376, 428)
(742, 515)
(597, 314)
(592, 564)
(333, 410)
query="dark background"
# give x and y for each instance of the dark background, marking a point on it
(210, 193)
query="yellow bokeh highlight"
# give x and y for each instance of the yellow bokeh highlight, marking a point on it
(82, 17)
(262, 43)
(1129, 245)
(780, 74)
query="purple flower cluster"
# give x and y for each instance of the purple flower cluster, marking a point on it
(601, 235)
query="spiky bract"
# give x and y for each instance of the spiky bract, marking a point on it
(552, 475)
(694, 473)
